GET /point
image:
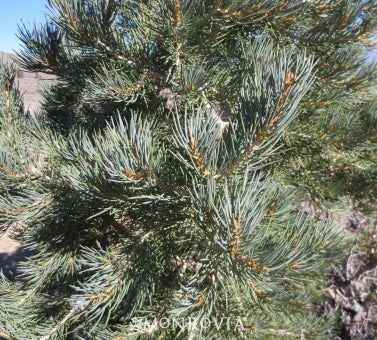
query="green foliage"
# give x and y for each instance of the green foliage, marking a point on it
(162, 180)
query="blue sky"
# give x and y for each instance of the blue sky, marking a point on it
(13, 13)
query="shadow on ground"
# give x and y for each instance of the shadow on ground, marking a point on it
(9, 262)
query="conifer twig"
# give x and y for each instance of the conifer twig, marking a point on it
(177, 14)
(194, 150)
(61, 323)
(235, 245)
(265, 131)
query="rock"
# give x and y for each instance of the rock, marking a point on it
(355, 265)
(352, 288)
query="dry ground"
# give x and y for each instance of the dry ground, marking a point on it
(28, 84)
(10, 255)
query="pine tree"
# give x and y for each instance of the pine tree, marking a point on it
(154, 190)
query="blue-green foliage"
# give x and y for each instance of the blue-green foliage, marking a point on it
(157, 183)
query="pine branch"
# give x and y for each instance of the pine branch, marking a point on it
(61, 323)
(186, 204)
(138, 247)
(197, 157)
(264, 132)
(177, 15)
(235, 245)
(108, 49)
